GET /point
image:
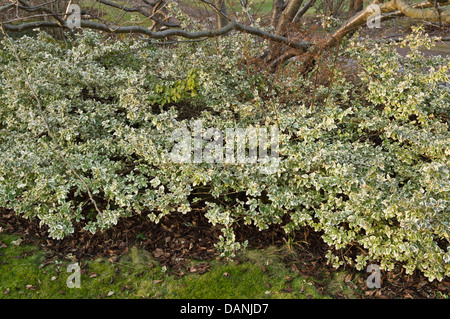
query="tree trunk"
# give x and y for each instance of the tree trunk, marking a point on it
(220, 20)
(282, 15)
(59, 8)
(303, 10)
(287, 16)
(277, 8)
(355, 6)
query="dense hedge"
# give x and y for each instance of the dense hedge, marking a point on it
(366, 162)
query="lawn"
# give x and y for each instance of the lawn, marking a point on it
(115, 15)
(27, 271)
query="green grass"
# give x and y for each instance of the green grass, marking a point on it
(256, 6)
(116, 15)
(261, 276)
(26, 272)
(261, 6)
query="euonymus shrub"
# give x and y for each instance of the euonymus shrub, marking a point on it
(366, 163)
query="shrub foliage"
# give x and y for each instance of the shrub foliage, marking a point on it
(365, 162)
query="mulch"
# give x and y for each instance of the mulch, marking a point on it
(178, 238)
(174, 241)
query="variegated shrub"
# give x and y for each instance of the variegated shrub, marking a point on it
(366, 163)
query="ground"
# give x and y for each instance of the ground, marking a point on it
(30, 271)
(177, 259)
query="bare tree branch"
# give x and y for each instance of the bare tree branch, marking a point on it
(283, 13)
(301, 12)
(288, 16)
(277, 8)
(302, 46)
(140, 9)
(7, 6)
(416, 13)
(247, 10)
(27, 7)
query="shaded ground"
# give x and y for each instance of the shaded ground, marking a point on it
(400, 27)
(442, 49)
(26, 272)
(178, 240)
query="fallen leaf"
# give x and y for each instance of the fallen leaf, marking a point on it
(408, 295)
(422, 283)
(226, 274)
(287, 290)
(158, 252)
(370, 292)
(348, 278)
(110, 293)
(157, 281)
(113, 259)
